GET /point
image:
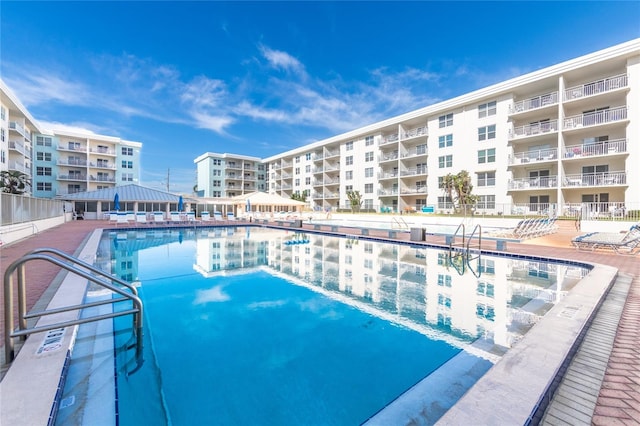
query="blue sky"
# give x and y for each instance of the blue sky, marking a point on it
(260, 78)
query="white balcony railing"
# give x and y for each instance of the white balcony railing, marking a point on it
(72, 176)
(102, 165)
(102, 151)
(68, 162)
(534, 103)
(415, 132)
(534, 129)
(534, 156)
(611, 147)
(388, 156)
(534, 183)
(595, 179)
(388, 175)
(595, 118)
(17, 146)
(19, 167)
(596, 87)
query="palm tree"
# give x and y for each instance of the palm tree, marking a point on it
(458, 188)
(14, 182)
(355, 199)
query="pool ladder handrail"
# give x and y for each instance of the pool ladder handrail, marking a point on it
(466, 246)
(41, 254)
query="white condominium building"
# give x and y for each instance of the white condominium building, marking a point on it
(563, 137)
(228, 175)
(61, 162)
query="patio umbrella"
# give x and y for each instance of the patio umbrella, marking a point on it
(180, 204)
(248, 205)
(116, 202)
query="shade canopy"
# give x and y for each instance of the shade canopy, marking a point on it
(116, 202)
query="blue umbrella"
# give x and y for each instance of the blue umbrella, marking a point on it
(116, 202)
(180, 204)
(248, 205)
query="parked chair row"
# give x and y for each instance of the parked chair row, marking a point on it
(622, 243)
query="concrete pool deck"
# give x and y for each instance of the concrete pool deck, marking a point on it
(618, 399)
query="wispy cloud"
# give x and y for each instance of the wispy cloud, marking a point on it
(281, 60)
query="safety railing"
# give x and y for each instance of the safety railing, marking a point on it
(74, 265)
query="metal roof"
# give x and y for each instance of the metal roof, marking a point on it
(125, 193)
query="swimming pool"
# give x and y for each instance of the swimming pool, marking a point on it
(340, 327)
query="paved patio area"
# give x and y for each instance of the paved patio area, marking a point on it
(618, 401)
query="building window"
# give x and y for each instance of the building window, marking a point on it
(485, 110)
(129, 151)
(216, 183)
(368, 156)
(349, 175)
(487, 156)
(421, 149)
(297, 171)
(445, 120)
(368, 204)
(368, 172)
(445, 161)
(307, 169)
(297, 182)
(43, 186)
(349, 160)
(348, 188)
(487, 179)
(43, 156)
(348, 146)
(445, 141)
(308, 156)
(298, 159)
(368, 188)
(125, 164)
(43, 171)
(307, 181)
(3, 113)
(127, 177)
(368, 141)
(217, 172)
(43, 141)
(487, 132)
(486, 202)
(445, 202)
(2, 135)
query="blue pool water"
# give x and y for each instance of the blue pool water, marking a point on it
(262, 326)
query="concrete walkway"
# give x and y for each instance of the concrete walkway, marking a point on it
(618, 401)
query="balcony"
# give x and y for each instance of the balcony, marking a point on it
(19, 128)
(535, 156)
(103, 151)
(102, 165)
(73, 148)
(596, 87)
(70, 191)
(393, 192)
(534, 103)
(71, 162)
(414, 171)
(331, 195)
(543, 182)
(232, 166)
(415, 132)
(389, 139)
(330, 154)
(596, 118)
(73, 176)
(421, 189)
(17, 146)
(595, 179)
(534, 129)
(612, 147)
(388, 175)
(19, 167)
(102, 178)
(415, 152)
(390, 156)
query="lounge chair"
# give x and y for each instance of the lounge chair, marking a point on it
(627, 243)
(122, 218)
(158, 217)
(175, 217)
(205, 216)
(141, 218)
(191, 216)
(231, 216)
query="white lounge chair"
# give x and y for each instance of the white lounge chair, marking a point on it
(191, 216)
(122, 219)
(205, 216)
(231, 216)
(217, 216)
(141, 218)
(158, 217)
(175, 217)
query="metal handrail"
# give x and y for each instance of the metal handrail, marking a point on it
(479, 229)
(400, 222)
(453, 237)
(23, 330)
